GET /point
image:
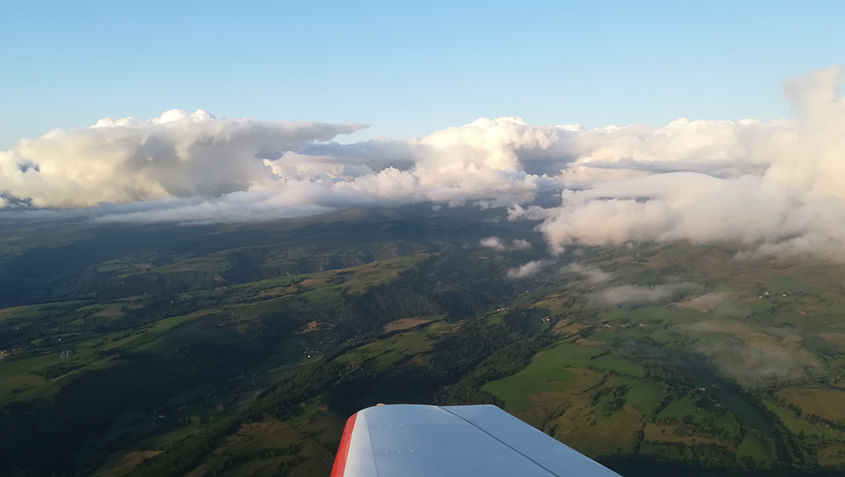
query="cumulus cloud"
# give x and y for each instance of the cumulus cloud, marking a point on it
(772, 187)
(493, 242)
(499, 245)
(527, 269)
(776, 187)
(175, 155)
(194, 167)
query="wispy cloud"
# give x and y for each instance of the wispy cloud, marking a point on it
(593, 275)
(638, 295)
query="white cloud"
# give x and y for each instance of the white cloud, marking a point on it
(499, 245)
(246, 169)
(483, 144)
(637, 295)
(775, 187)
(175, 155)
(493, 242)
(527, 269)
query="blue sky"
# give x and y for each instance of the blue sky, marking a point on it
(407, 68)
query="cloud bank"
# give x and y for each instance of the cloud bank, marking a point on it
(194, 167)
(176, 155)
(772, 187)
(777, 186)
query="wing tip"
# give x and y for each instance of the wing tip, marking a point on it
(339, 466)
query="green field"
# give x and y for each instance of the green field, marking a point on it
(241, 349)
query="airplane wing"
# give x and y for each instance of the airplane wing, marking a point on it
(407, 440)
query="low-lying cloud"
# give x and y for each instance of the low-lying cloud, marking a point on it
(754, 366)
(592, 275)
(773, 187)
(500, 245)
(640, 295)
(527, 269)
